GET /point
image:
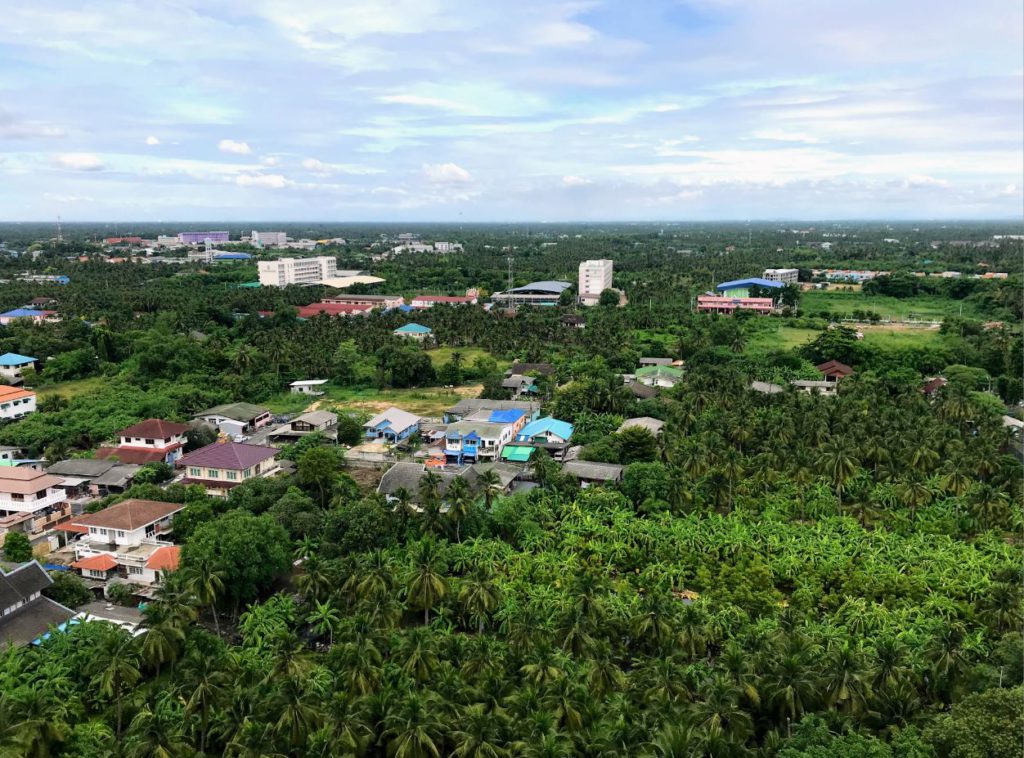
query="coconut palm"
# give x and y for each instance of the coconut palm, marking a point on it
(427, 584)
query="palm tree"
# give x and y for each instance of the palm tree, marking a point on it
(115, 668)
(207, 584)
(208, 684)
(847, 679)
(838, 463)
(490, 484)
(156, 732)
(717, 709)
(297, 714)
(480, 597)
(427, 584)
(459, 502)
(324, 619)
(477, 736)
(33, 721)
(412, 729)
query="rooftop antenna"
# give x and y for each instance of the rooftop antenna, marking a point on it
(60, 235)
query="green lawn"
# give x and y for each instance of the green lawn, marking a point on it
(73, 388)
(782, 338)
(425, 401)
(881, 336)
(923, 307)
(439, 356)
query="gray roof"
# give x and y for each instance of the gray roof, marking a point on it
(21, 582)
(470, 405)
(544, 369)
(546, 287)
(655, 361)
(812, 383)
(407, 476)
(653, 425)
(318, 418)
(507, 473)
(642, 391)
(766, 388)
(86, 468)
(515, 381)
(120, 475)
(235, 411)
(606, 472)
(32, 620)
(396, 417)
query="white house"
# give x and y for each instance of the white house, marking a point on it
(32, 502)
(308, 386)
(12, 366)
(150, 441)
(16, 402)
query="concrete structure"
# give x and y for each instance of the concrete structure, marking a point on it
(816, 387)
(659, 376)
(393, 425)
(783, 275)
(31, 502)
(429, 301)
(302, 271)
(385, 302)
(150, 441)
(168, 240)
(740, 288)
(12, 366)
(332, 309)
(589, 473)
(202, 238)
(308, 387)
(534, 293)
(595, 278)
(729, 305)
(344, 282)
(201, 256)
(471, 406)
(652, 425)
(236, 418)
(312, 422)
(269, 239)
(416, 332)
(546, 430)
(16, 403)
(223, 465)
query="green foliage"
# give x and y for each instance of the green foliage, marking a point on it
(986, 725)
(68, 589)
(17, 548)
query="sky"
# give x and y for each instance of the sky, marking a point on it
(533, 110)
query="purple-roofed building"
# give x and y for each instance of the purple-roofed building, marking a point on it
(200, 238)
(223, 465)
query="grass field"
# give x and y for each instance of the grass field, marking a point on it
(439, 356)
(73, 388)
(921, 308)
(424, 401)
(881, 336)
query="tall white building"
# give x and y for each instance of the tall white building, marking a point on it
(595, 278)
(285, 271)
(269, 239)
(784, 275)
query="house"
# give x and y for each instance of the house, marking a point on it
(787, 275)
(405, 478)
(429, 301)
(123, 542)
(767, 388)
(97, 477)
(519, 384)
(526, 369)
(482, 435)
(535, 293)
(574, 322)
(470, 406)
(16, 403)
(223, 465)
(236, 418)
(313, 422)
(30, 314)
(740, 288)
(546, 431)
(659, 376)
(41, 303)
(151, 441)
(308, 386)
(332, 309)
(655, 362)
(816, 386)
(392, 425)
(32, 502)
(833, 371)
(384, 302)
(9, 455)
(652, 425)
(642, 391)
(517, 453)
(591, 473)
(25, 613)
(12, 366)
(414, 331)
(933, 385)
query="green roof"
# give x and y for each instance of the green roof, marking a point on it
(518, 453)
(249, 285)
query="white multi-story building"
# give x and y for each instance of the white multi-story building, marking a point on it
(16, 402)
(595, 278)
(784, 275)
(168, 240)
(269, 239)
(307, 271)
(201, 256)
(31, 502)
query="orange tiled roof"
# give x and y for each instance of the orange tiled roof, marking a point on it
(101, 562)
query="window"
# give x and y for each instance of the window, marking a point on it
(213, 473)
(97, 574)
(247, 473)
(120, 533)
(149, 442)
(194, 472)
(232, 476)
(135, 569)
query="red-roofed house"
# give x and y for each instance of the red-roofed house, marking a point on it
(122, 542)
(833, 371)
(333, 309)
(150, 441)
(931, 386)
(224, 465)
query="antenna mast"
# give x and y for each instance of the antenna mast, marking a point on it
(60, 235)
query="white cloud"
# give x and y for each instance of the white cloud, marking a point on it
(446, 173)
(574, 181)
(151, 140)
(230, 146)
(270, 160)
(268, 181)
(316, 166)
(666, 108)
(781, 135)
(320, 168)
(562, 34)
(12, 128)
(423, 101)
(78, 161)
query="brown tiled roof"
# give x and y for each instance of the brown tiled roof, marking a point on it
(135, 455)
(155, 428)
(228, 455)
(129, 514)
(834, 367)
(25, 481)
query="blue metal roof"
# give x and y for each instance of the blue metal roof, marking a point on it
(14, 359)
(413, 329)
(23, 313)
(505, 417)
(547, 424)
(232, 257)
(554, 288)
(753, 281)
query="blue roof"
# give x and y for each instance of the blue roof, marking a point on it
(23, 313)
(505, 417)
(413, 329)
(232, 257)
(406, 308)
(547, 424)
(753, 281)
(14, 359)
(545, 286)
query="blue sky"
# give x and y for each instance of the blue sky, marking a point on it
(529, 110)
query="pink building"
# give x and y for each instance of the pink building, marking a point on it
(717, 304)
(429, 301)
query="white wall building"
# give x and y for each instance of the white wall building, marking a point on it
(269, 239)
(784, 275)
(308, 271)
(595, 278)
(16, 402)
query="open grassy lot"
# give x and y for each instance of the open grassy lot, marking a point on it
(424, 401)
(439, 356)
(921, 308)
(73, 388)
(882, 336)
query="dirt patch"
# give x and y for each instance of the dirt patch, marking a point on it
(366, 478)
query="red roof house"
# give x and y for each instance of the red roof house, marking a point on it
(833, 371)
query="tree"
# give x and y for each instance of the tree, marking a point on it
(68, 589)
(317, 469)
(427, 584)
(207, 584)
(115, 668)
(17, 548)
(984, 725)
(324, 619)
(248, 552)
(608, 298)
